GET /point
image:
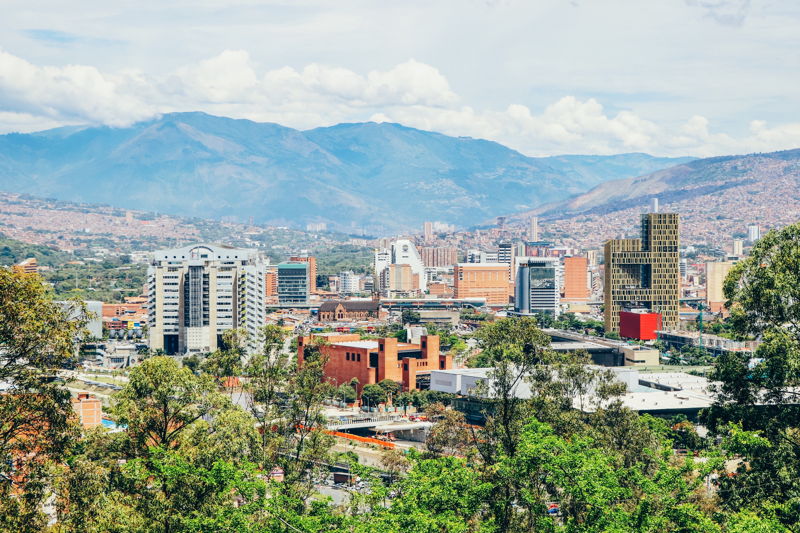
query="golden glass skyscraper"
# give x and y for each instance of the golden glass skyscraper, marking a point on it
(644, 271)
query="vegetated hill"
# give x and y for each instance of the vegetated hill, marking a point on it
(716, 197)
(13, 251)
(691, 179)
(371, 176)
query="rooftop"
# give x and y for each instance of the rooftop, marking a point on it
(368, 345)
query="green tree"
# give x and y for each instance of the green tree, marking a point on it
(372, 395)
(37, 337)
(760, 395)
(162, 399)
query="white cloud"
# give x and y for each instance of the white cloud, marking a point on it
(412, 92)
(69, 93)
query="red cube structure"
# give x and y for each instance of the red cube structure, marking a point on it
(639, 324)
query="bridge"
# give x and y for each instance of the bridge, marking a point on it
(361, 422)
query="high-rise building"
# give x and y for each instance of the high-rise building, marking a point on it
(644, 272)
(312, 269)
(196, 293)
(533, 230)
(738, 247)
(482, 280)
(427, 231)
(400, 278)
(753, 233)
(654, 205)
(271, 282)
(439, 256)
(294, 284)
(715, 279)
(576, 279)
(402, 252)
(537, 289)
(348, 282)
(505, 253)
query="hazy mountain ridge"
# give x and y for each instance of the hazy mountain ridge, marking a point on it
(365, 174)
(711, 176)
(717, 198)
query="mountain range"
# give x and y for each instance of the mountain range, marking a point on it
(379, 177)
(716, 197)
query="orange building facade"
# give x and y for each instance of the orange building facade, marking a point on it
(312, 270)
(373, 361)
(576, 278)
(483, 280)
(271, 282)
(89, 410)
(27, 266)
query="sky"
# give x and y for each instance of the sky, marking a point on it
(545, 77)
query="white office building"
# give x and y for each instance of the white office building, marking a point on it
(196, 293)
(402, 252)
(349, 282)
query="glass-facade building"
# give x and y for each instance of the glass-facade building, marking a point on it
(293, 283)
(537, 288)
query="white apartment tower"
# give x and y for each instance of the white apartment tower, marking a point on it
(198, 292)
(403, 252)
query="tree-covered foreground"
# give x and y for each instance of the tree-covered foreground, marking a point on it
(191, 460)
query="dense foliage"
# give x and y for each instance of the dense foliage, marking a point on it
(567, 457)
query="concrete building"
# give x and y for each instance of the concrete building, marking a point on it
(294, 285)
(198, 292)
(89, 410)
(348, 282)
(402, 252)
(533, 229)
(576, 279)
(644, 271)
(537, 288)
(738, 247)
(753, 233)
(271, 282)
(482, 280)
(94, 322)
(714, 344)
(27, 266)
(439, 256)
(427, 231)
(715, 279)
(373, 361)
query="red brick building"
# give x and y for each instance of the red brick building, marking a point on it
(372, 361)
(336, 311)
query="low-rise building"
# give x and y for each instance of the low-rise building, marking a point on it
(372, 361)
(346, 310)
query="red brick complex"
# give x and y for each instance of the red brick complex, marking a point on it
(373, 361)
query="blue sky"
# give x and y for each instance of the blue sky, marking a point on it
(668, 77)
